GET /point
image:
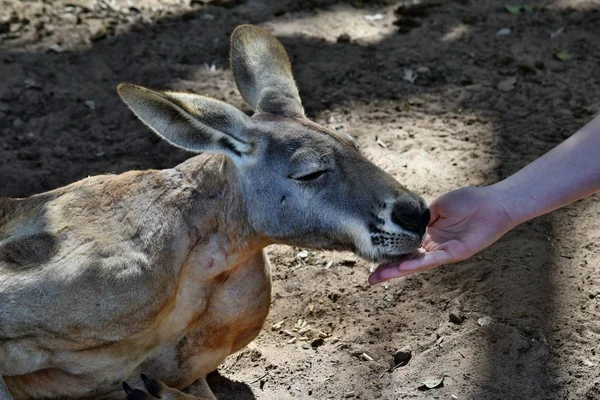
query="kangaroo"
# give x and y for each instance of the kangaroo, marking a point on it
(150, 279)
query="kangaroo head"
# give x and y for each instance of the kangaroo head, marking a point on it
(302, 184)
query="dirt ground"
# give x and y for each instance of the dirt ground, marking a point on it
(452, 94)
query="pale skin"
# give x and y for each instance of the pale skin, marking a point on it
(465, 221)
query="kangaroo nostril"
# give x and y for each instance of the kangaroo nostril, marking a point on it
(409, 215)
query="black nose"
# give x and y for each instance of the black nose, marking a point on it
(411, 213)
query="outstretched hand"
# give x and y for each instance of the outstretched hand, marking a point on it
(463, 222)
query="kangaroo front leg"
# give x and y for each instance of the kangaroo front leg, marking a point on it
(4, 393)
(156, 389)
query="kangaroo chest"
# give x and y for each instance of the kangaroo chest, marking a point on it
(231, 316)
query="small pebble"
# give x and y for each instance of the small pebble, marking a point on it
(456, 317)
(97, 29)
(302, 254)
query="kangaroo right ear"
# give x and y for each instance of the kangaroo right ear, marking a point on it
(262, 72)
(195, 123)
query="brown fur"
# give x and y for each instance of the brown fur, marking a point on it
(96, 214)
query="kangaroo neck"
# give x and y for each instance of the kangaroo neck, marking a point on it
(217, 213)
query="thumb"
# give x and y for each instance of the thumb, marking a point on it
(434, 211)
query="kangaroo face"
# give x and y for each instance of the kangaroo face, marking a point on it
(308, 186)
(301, 183)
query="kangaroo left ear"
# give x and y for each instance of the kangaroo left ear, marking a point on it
(195, 123)
(263, 73)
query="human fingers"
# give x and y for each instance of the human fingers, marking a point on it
(420, 262)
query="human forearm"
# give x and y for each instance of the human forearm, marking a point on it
(567, 173)
(468, 220)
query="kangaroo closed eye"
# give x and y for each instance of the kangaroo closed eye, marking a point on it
(310, 176)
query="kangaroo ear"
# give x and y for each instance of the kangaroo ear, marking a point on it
(192, 122)
(262, 72)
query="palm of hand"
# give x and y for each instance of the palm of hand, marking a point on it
(463, 223)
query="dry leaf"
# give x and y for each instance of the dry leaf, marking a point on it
(409, 75)
(432, 382)
(503, 32)
(374, 17)
(381, 143)
(562, 56)
(518, 9)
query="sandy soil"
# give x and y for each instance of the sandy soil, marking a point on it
(463, 93)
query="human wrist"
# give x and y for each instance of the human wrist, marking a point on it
(513, 201)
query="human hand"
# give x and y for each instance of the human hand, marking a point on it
(463, 222)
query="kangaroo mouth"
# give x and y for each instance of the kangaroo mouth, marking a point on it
(392, 261)
(390, 248)
(391, 258)
(385, 258)
(379, 245)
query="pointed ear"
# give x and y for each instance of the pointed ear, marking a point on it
(262, 72)
(192, 122)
